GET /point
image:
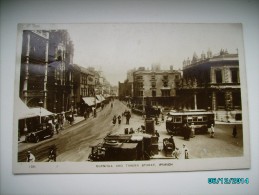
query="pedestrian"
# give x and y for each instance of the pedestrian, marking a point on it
(186, 131)
(234, 131)
(52, 154)
(111, 105)
(30, 157)
(128, 115)
(192, 130)
(156, 133)
(185, 151)
(85, 115)
(61, 121)
(71, 118)
(119, 119)
(176, 153)
(171, 140)
(114, 119)
(212, 131)
(156, 120)
(57, 126)
(162, 117)
(88, 111)
(131, 131)
(51, 123)
(95, 114)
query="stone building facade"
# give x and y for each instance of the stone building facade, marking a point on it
(45, 79)
(212, 82)
(155, 85)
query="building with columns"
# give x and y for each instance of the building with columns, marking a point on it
(45, 76)
(212, 82)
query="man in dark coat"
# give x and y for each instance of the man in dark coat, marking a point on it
(187, 131)
(234, 131)
(119, 119)
(171, 140)
(128, 115)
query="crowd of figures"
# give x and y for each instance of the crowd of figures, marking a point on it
(58, 120)
(118, 118)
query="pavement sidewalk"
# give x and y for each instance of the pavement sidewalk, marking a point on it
(77, 119)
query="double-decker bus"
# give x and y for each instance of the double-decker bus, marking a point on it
(201, 120)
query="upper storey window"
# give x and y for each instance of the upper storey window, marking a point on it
(234, 76)
(218, 74)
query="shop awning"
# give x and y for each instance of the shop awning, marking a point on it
(23, 111)
(41, 111)
(106, 95)
(90, 101)
(100, 98)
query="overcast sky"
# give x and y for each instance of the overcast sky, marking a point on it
(116, 48)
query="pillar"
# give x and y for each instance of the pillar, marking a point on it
(214, 105)
(46, 73)
(25, 84)
(228, 100)
(195, 101)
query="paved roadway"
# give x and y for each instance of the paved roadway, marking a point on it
(73, 143)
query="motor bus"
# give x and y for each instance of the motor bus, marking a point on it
(201, 120)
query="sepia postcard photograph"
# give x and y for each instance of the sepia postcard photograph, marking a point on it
(130, 97)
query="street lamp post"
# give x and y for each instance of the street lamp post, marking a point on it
(143, 102)
(72, 105)
(95, 103)
(55, 106)
(40, 103)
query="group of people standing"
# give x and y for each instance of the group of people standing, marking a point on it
(188, 131)
(57, 122)
(126, 114)
(114, 119)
